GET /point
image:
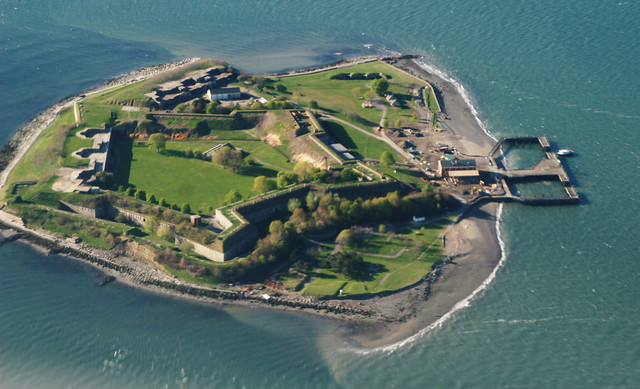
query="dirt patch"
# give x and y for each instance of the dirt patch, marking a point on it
(130, 108)
(272, 139)
(314, 160)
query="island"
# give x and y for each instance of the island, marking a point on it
(366, 190)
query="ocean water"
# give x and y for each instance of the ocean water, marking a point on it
(563, 309)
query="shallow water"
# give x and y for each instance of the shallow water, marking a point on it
(564, 303)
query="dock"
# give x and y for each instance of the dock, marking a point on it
(548, 169)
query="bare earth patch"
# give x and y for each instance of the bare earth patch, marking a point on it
(272, 139)
(303, 157)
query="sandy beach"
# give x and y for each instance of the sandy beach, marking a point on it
(471, 244)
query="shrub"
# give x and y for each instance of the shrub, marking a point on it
(164, 232)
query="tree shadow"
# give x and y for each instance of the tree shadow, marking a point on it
(257, 170)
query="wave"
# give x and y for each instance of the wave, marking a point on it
(464, 303)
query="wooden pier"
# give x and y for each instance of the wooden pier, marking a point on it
(548, 169)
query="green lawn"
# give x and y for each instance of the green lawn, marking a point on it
(41, 160)
(387, 274)
(72, 144)
(256, 148)
(407, 175)
(180, 180)
(357, 142)
(338, 96)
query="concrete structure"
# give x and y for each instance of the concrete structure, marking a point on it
(224, 94)
(194, 84)
(547, 169)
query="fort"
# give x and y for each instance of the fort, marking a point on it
(375, 181)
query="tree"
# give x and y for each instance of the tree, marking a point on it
(141, 195)
(212, 107)
(303, 169)
(262, 184)
(286, 178)
(313, 104)
(276, 230)
(386, 158)
(293, 204)
(163, 202)
(379, 86)
(152, 224)
(131, 191)
(186, 208)
(157, 141)
(232, 197)
(152, 199)
(229, 159)
(281, 88)
(164, 232)
(105, 179)
(348, 263)
(345, 238)
(348, 175)
(398, 123)
(312, 200)
(382, 228)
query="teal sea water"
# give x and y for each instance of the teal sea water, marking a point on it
(563, 309)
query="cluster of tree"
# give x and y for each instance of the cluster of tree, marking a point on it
(278, 247)
(304, 172)
(348, 263)
(216, 107)
(170, 258)
(330, 211)
(141, 194)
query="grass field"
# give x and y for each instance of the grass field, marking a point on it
(423, 249)
(338, 96)
(356, 141)
(256, 148)
(180, 180)
(41, 160)
(72, 144)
